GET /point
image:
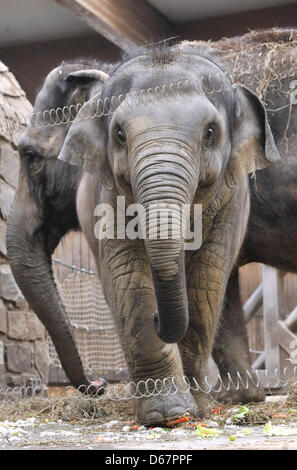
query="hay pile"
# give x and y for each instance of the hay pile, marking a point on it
(261, 59)
(291, 401)
(73, 407)
(265, 62)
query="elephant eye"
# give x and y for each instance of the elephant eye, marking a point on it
(30, 154)
(209, 135)
(120, 135)
(35, 163)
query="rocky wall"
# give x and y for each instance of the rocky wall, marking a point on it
(23, 344)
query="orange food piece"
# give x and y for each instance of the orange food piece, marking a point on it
(129, 423)
(194, 425)
(280, 415)
(184, 419)
(135, 427)
(100, 438)
(217, 410)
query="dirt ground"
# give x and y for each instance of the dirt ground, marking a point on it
(53, 436)
(66, 420)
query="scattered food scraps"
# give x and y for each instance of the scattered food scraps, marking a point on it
(243, 411)
(184, 419)
(207, 432)
(278, 430)
(280, 415)
(217, 410)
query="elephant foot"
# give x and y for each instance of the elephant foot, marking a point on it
(252, 394)
(203, 407)
(159, 409)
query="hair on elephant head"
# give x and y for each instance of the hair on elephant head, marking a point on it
(44, 206)
(175, 151)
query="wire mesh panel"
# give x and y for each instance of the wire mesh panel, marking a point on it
(94, 330)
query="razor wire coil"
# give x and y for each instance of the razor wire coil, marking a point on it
(165, 387)
(207, 85)
(235, 381)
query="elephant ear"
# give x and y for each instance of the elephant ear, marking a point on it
(85, 144)
(253, 145)
(85, 77)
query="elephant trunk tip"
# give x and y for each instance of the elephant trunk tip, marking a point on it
(170, 335)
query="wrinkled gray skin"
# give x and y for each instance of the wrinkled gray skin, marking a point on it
(44, 208)
(270, 239)
(272, 225)
(195, 151)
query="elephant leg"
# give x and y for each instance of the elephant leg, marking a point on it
(231, 349)
(33, 231)
(205, 294)
(207, 271)
(128, 287)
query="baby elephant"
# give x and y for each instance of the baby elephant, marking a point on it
(168, 142)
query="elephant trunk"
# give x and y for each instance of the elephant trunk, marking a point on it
(171, 320)
(30, 262)
(162, 184)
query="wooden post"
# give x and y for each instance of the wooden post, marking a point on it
(275, 362)
(273, 311)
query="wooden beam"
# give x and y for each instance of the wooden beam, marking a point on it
(253, 303)
(291, 321)
(285, 337)
(259, 363)
(123, 22)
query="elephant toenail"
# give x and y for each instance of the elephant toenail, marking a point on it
(177, 411)
(153, 417)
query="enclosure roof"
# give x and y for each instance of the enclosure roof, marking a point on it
(179, 11)
(25, 21)
(28, 21)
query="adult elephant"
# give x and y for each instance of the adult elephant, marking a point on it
(167, 302)
(44, 207)
(267, 61)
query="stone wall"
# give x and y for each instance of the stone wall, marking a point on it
(23, 345)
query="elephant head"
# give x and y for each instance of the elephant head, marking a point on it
(171, 150)
(44, 208)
